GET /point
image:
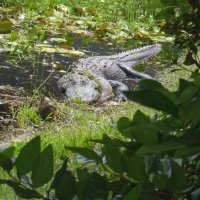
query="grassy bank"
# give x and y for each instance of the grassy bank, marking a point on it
(79, 123)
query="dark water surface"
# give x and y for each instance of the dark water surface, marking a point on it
(31, 73)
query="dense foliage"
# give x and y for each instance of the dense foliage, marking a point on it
(158, 157)
(159, 160)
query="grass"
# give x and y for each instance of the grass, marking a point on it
(28, 115)
(79, 122)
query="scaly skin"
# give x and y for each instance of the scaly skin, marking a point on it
(118, 67)
(86, 86)
(114, 68)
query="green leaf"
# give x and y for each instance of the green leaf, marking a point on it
(140, 117)
(145, 133)
(82, 176)
(65, 187)
(186, 151)
(195, 79)
(134, 194)
(85, 152)
(27, 156)
(148, 84)
(161, 181)
(22, 192)
(123, 123)
(189, 111)
(5, 162)
(42, 170)
(157, 148)
(9, 152)
(134, 167)
(96, 187)
(112, 154)
(177, 179)
(140, 128)
(153, 99)
(64, 183)
(193, 115)
(59, 174)
(188, 93)
(184, 84)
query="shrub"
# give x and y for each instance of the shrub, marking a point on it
(158, 160)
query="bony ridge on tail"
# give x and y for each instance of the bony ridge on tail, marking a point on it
(107, 73)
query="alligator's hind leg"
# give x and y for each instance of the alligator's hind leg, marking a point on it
(119, 88)
(131, 72)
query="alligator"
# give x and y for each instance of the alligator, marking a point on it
(85, 85)
(95, 78)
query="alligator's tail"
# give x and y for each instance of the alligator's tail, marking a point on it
(138, 55)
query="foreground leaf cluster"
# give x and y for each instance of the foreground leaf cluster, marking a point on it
(154, 162)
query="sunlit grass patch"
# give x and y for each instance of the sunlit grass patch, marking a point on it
(170, 76)
(28, 116)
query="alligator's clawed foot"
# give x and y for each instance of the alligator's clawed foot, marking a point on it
(121, 97)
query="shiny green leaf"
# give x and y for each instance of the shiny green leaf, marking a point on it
(27, 156)
(42, 170)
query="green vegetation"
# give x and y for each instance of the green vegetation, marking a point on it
(31, 23)
(28, 116)
(145, 166)
(153, 157)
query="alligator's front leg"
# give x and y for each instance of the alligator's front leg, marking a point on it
(119, 88)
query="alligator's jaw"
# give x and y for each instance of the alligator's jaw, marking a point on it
(138, 55)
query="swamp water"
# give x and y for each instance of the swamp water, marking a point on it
(42, 70)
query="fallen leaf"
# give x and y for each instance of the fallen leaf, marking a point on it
(53, 49)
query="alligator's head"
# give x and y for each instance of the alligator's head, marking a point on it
(84, 86)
